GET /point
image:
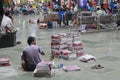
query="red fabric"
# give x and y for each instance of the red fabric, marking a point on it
(105, 2)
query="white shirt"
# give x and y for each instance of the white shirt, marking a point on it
(5, 21)
(75, 9)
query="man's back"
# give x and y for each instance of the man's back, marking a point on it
(5, 21)
(31, 56)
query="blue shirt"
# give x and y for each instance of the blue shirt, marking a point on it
(60, 13)
(111, 5)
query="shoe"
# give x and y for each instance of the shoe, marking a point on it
(97, 67)
(18, 42)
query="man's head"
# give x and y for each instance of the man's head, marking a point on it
(31, 40)
(98, 8)
(7, 13)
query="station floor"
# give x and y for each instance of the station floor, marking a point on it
(103, 45)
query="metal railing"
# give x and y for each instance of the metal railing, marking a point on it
(102, 22)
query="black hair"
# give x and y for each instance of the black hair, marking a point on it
(7, 13)
(98, 8)
(30, 39)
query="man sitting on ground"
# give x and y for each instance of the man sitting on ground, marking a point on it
(30, 55)
(7, 23)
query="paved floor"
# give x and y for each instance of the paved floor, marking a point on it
(104, 46)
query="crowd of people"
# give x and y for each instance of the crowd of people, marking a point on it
(112, 6)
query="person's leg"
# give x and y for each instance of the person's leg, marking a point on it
(64, 22)
(59, 22)
(73, 22)
(67, 22)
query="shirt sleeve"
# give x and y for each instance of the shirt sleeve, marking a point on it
(39, 50)
(23, 55)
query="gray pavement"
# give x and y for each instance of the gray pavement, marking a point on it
(103, 45)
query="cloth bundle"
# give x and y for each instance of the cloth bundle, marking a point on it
(4, 61)
(55, 38)
(86, 58)
(43, 69)
(79, 53)
(55, 53)
(65, 54)
(78, 45)
(71, 68)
